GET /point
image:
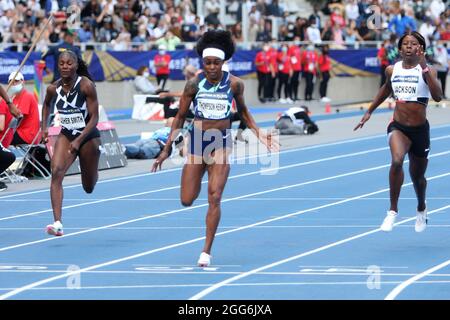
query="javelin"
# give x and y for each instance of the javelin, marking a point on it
(29, 51)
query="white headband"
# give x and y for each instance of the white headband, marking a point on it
(214, 52)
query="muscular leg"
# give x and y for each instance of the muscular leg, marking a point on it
(217, 178)
(417, 168)
(399, 145)
(89, 156)
(191, 180)
(60, 163)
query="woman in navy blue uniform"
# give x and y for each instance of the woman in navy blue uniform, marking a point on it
(411, 81)
(75, 98)
(212, 93)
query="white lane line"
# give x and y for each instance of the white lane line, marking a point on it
(216, 286)
(397, 290)
(175, 245)
(250, 284)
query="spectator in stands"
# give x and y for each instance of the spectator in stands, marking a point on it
(309, 67)
(265, 34)
(170, 41)
(445, 33)
(212, 9)
(142, 83)
(28, 106)
(162, 69)
(400, 23)
(55, 51)
(236, 32)
(300, 28)
(274, 9)
(316, 14)
(313, 33)
(295, 54)
(427, 30)
(285, 72)
(85, 32)
(108, 31)
(324, 69)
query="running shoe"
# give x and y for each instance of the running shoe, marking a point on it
(421, 221)
(204, 260)
(388, 222)
(55, 229)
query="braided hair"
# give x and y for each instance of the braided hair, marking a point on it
(414, 34)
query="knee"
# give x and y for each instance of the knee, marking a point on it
(214, 198)
(397, 164)
(57, 173)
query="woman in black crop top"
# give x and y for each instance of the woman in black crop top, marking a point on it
(409, 130)
(75, 97)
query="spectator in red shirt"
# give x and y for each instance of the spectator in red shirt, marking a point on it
(445, 34)
(28, 106)
(284, 74)
(296, 61)
(162, 62)
(262, 63)
(309, 67)
(324, 68)
(384, 61)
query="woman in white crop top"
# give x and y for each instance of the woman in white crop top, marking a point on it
(411, 81)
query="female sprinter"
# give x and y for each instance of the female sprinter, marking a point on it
(212, 93)
(75, 98)
(410, 81)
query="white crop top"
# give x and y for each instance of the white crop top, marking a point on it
(409, 84)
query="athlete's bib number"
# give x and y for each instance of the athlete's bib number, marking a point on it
(212, 109)
(72, 121)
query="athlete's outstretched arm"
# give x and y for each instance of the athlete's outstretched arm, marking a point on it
(237, 85)
(384, 92)
(189, 92)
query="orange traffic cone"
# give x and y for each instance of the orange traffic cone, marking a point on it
(328, 108)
